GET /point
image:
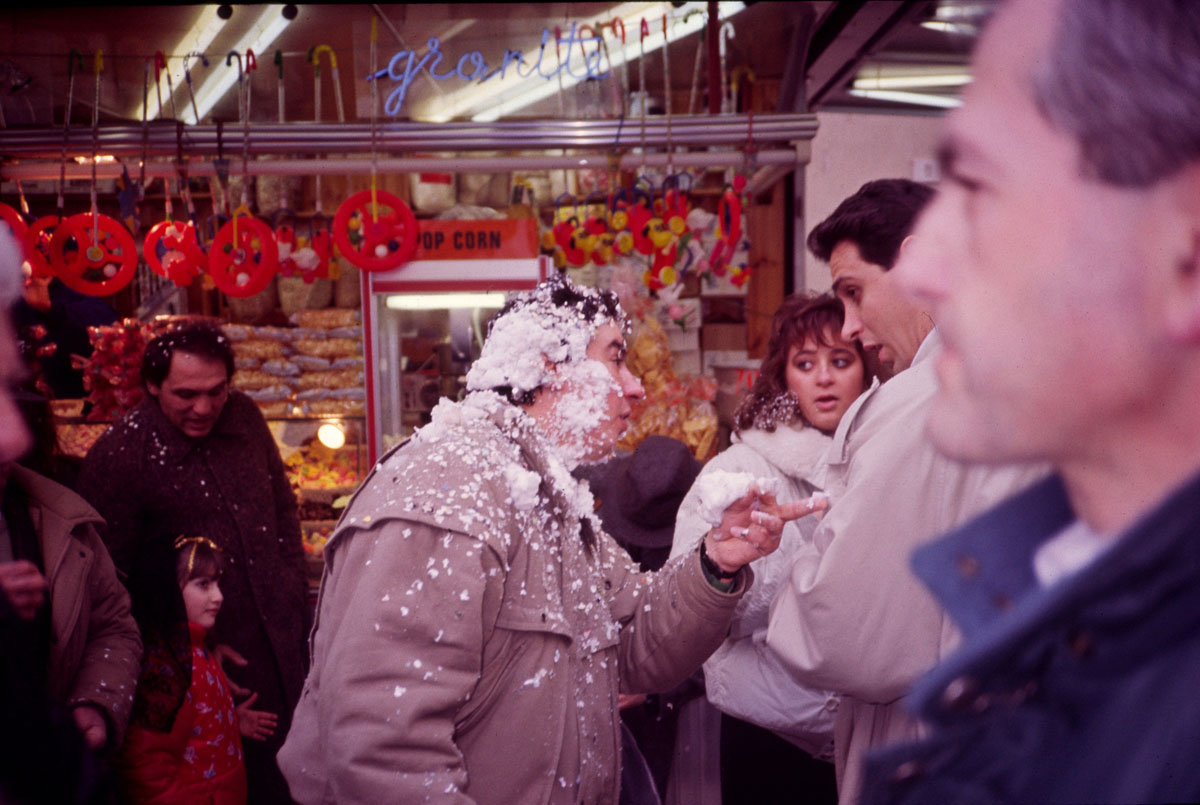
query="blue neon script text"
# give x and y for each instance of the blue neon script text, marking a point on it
(405, 66)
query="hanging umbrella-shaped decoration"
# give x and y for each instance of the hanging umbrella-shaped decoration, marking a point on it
(172, 248)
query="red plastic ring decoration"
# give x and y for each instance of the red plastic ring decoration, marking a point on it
(113, 255)
(182, 259)
(375, 243)
(37, 244)
(246, 267)
(14, 220)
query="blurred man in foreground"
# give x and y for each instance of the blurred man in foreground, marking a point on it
(1062, 264)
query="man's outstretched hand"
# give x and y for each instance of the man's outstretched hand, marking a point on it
(752, 527)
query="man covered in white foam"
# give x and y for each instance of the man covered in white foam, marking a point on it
(476, 624)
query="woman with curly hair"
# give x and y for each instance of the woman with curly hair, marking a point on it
(808, 379)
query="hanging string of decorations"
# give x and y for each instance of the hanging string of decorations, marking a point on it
(654, 220)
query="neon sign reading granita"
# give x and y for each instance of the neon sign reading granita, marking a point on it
(405, 66)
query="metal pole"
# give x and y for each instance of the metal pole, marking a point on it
(126, 140)
(304, 167)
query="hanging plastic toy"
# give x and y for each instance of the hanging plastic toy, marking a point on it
(93, 253)
(37, 244)
(729, 229)
(41, 231)
(304, 256)
(172, 247)
(373, 229)
(320, 240)
(568, 235)
(14, 220)
(283, 221)
(597, 238)
(172, 250)
(677, 205)
(641, 217)
(243, 256)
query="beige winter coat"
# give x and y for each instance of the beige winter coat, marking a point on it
(467, 646)
(853, 618)
(743, 677)
(96, 650)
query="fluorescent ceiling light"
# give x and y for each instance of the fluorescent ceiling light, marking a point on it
(946, 27)
(445, 301)
(263, 33)
(918, 98)
(500, 97)
(920, 81)
(198, 38)
(956, 10)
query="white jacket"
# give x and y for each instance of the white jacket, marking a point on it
(744, 678)
(852, 616)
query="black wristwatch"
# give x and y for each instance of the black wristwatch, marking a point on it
(711, 567)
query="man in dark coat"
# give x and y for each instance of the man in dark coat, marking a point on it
(197, 458)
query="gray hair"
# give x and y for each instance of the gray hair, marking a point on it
(11, 279)
(1122, 77)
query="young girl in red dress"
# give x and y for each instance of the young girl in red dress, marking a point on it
(200, 758)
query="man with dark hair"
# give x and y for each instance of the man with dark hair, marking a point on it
(1062, 262)
(196, 457)
(476, 622)
(861, 241)
(851, 618)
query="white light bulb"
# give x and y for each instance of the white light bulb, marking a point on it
(331, 435)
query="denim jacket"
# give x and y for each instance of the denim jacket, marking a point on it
(1083, 691)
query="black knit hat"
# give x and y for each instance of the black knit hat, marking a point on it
(638, 494)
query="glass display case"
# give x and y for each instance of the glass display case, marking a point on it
(326, 459)
(424, 353)
(425, 322)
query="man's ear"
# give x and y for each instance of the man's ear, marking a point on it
(1183, 289)
(153, 389)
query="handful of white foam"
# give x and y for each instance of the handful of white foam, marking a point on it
(718, 490)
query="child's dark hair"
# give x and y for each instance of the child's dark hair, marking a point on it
(197, 558)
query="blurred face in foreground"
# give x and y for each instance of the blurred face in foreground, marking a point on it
(14, 437)
(1050, 289)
